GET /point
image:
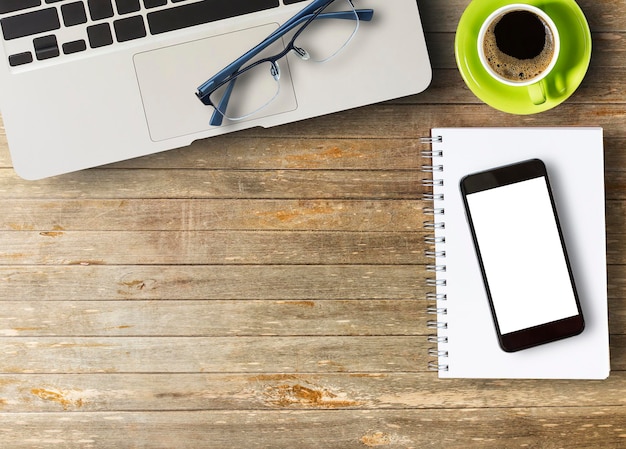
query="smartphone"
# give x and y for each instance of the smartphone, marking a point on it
(522, 255)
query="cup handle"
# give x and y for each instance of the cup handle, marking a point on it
(537, 92)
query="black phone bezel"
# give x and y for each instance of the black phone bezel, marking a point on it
(502, 176)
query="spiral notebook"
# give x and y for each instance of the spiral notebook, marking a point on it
(463, 335)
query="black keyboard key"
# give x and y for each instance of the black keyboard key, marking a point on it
(100, 9)
(74, 47)
(46, 47)
(30, 23)
(17, 5)
(20, 59)
(99, 35)
(127, 6)
(73, 14)
(129, 28)
(191, 14)
(154, 3)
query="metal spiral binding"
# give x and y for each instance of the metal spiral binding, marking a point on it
(437, 310)
(435, 254)
(436, 282)
(434, 139)
(435, 268)
(434, 324)
(432, 168)
(437, 353)
(437, 339)
(435, 298)
(432, 182)
(433, 366)
(432, 197)
(434, 211)
(432, 240)
(431, 296)
(434, 225)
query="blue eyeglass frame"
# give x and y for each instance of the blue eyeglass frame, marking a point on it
(230, 73)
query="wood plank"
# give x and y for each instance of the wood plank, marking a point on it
(295, 184)
(210, 248)
(219, 318)
(211, 214)
(276, 282)
(616, 282)
(616, 245)
(615, 216)
(232, 152)
(548, 427)
(34, 393)
(293, 354)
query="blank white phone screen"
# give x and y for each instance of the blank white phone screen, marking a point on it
(522, 255)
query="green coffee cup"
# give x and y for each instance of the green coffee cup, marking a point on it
(541, 91)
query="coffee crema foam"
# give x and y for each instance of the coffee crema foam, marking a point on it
(512, 68)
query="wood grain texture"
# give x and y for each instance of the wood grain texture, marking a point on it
(451, 428)
(185, 214)
(155, 392)
(152, 282)
(265, 289)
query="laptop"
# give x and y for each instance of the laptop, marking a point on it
(90, 82)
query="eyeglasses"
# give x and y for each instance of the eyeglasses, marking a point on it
(243, 88)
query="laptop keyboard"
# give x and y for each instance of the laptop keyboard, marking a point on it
(34, 30)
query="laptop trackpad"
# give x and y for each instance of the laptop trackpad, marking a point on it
(168, 79)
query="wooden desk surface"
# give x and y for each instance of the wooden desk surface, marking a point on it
(264, 289)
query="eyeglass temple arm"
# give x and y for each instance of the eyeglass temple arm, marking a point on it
(205, 88)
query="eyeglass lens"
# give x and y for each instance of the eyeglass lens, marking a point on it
(256, 88)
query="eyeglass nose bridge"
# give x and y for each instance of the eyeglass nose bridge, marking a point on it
(275, 70)
(304, 55)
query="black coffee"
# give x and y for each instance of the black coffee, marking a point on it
(519, 45)
(520, 34)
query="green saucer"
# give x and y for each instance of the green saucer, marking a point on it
(568, 73)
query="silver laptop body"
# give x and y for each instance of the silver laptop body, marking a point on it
(90, 82)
